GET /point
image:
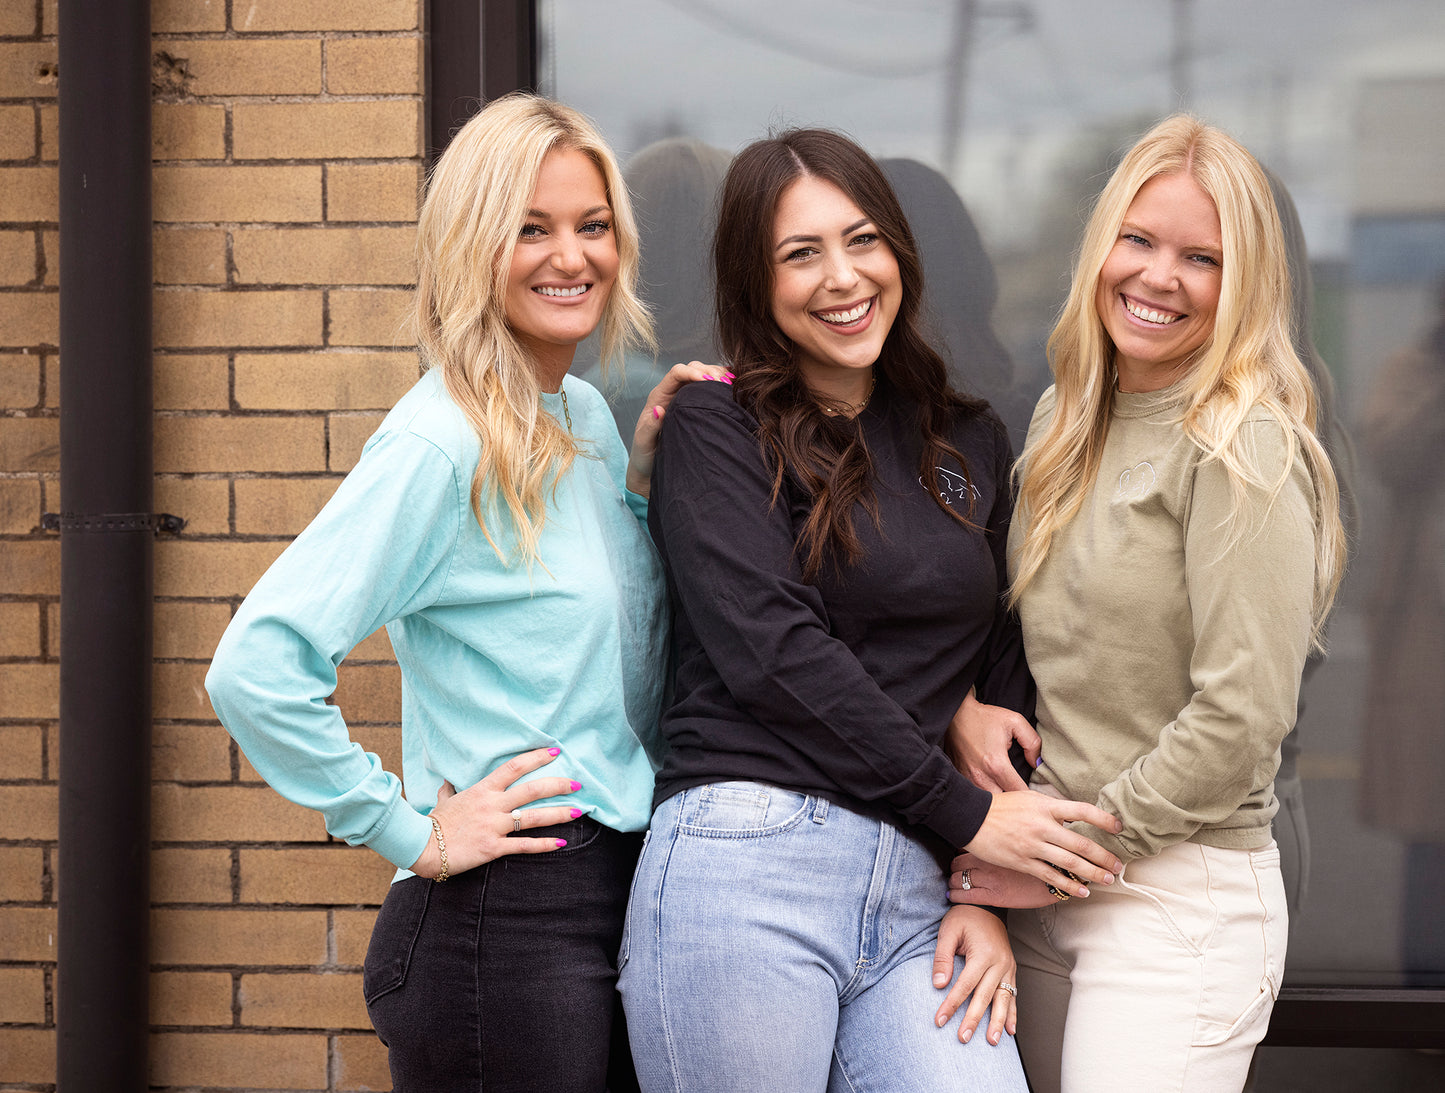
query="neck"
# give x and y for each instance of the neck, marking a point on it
(851, 389)
(550, 363)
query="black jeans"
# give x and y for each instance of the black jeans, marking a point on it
(504, 977)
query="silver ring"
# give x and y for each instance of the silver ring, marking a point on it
(516, 820)
(964, 884)
(1010, 988)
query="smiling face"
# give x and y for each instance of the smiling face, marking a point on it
(1159, 287)
(565, 262)
(836, 287)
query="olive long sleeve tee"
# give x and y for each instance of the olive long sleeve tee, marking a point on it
(1167, 656)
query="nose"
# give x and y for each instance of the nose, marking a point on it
(840, 276)
(1159, 273)
(568, 257)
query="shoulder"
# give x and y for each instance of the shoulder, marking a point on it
(427, 413)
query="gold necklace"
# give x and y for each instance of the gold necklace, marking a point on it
(565, 411)
(850, 410)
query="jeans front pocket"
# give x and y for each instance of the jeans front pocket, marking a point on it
(393, 938)
(742, 810)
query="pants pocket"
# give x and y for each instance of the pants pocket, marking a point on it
(393, 938)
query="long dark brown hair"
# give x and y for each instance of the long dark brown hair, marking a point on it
(826, 454)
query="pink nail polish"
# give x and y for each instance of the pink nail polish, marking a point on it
(656, 413)
(576, 786)
(554, 751)
(576, 813)
(561, 843)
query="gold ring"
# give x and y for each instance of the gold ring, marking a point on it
(1010, 988)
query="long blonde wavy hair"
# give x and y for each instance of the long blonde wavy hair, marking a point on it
(476, 203)
(1248, 361)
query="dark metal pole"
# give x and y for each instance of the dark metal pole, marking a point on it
(107, 541)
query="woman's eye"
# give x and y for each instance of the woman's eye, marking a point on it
(596, 227)
(1137, 240)
(799, 254)
(1205, 259)
(531, 231)
(865, 239)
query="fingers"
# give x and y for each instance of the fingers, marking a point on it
(523, 819)
(518, 766)
(1003, 1017)
(964, 987)
(1030, 741)
(447, 790)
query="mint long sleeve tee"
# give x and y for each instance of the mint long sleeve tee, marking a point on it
(496, 658)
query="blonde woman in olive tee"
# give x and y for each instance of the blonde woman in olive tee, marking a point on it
(1175, 547)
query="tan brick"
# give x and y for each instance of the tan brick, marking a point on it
(280, 506)
(389, 129)
(187, 382)
(29, 1055)
(230, 814)
(376, 646)
(204, 503)
(352, 934)
(27, 934)
(18, 258)
(29, 318)
(211, 569)
(30, 444)
(17, 19)
(19, 637)
(27, 69)
(32, 568)
(20, 508)
(50, 371)
(235, 1060)
(361, 1063)
(17, 132)
(190, 753)
(188, 130)
(349, 434)
(30, 690)
(369, 692)
(31, 812)
(50, 256)
(237, 193)
(235, 937)
(303, 1000)
(324, 381)
(374, 66)
(190, 998)
(223, 319)
(324, 256)
(190, 256)
(190, 630)
(331, 874)
(19, 381)
(22, 996)
(186, 16)
(190, 876)
(22, 877)
(284, 66)
(179, 692)
(22, 747)
(364, 191)
(239, 444)
(29, 193)
(281, 15)
(52, 628)
(368, 317)
(49, 133)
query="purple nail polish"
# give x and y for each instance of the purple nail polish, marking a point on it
(561, 843)
(554, 751)
(1038, 762)
(576, 813)
(576, 786)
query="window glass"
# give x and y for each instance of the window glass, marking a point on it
(998, 122)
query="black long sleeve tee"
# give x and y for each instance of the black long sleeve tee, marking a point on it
(842, 687)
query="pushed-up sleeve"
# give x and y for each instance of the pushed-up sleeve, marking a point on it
(731, 556)
(1251, 595)
(380, 549)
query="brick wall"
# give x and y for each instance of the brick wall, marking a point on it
(287, 140)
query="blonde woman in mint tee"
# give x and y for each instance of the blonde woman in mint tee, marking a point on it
(1175, 548)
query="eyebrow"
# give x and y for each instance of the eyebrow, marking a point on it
(1139, 229)
(849, 230)
(538, 214)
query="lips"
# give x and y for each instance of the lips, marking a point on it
(559, 293)
(849, 315)
(1149, 315)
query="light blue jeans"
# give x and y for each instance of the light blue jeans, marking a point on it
(775, 941)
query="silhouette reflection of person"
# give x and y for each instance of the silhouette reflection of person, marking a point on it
(1291, 830)
(1403, 436)
(960, 291)
(674, 183)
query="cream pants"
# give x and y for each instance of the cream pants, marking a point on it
(1162, 982)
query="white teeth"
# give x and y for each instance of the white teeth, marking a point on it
(1150, 316)
(546, 290)
(852, 315)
